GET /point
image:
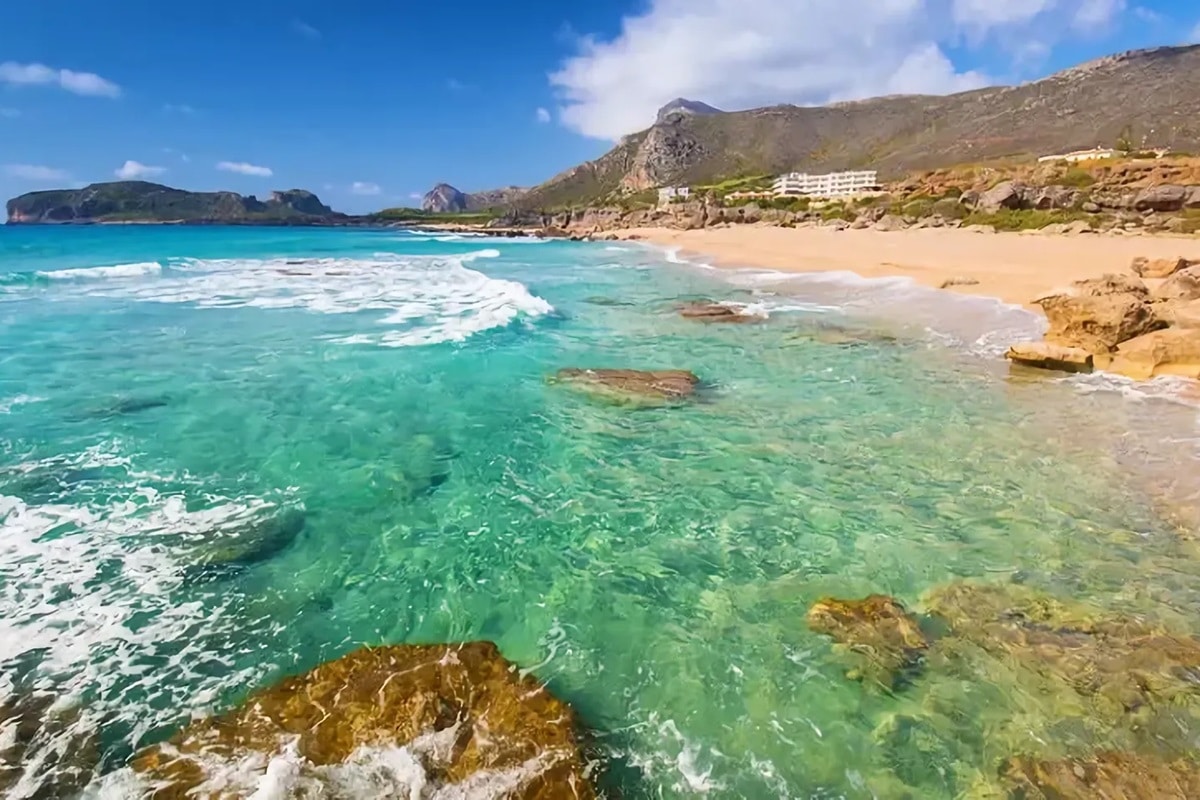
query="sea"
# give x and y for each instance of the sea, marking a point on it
(228, 455)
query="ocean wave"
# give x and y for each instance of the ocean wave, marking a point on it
(138, 270)
(6, 406)
(421, 299)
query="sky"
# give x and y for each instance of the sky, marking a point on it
(369, 103)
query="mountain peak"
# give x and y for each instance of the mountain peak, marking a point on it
(681, 105)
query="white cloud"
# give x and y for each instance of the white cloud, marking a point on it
(133, 170)
(304, 29)
(1147, 15)
(85, 83)
(33, 172)
(242, 168)
(1096, 14)
(415, 196)
(1194, 36)
(9, 113)
(543, 115)
(739, 54)
(365, 189)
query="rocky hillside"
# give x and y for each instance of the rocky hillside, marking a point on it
(1141, 94)
(139, 201)
(444, 198)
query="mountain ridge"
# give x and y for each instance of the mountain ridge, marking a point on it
(444, 198)
(1095, 102)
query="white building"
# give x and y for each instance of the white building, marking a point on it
(833, 184)
(669, 194)
(1081, 155)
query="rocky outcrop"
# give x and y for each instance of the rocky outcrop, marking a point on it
(708, 311)
(1182, 285)
(1098, 314)
(1158, 267)
(444, 198)
(1173, 351)
(139, 201)
(885, 640)
(631, 385)
(1109, 775)
(462, 714)
(1008, 195)
(1162, 198)
(1046, 355)
(681, 105)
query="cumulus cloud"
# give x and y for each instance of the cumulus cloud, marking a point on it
(746, 53)
(242, 168)
(365, 189)
(133, 170)
(543, 115)
(34, 172)
(85, 83)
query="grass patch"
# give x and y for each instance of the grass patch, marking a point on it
(418, 215)
(1077, 178)
(838, 211)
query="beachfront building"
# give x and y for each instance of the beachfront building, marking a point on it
(746, 195)
(673, 194)
(833, 184)
(1076, 156)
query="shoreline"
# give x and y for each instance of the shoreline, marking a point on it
(1014, 268)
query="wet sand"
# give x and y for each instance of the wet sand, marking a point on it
(1014, 267)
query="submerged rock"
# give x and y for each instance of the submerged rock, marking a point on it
(846, 336)
(44, 751)
(405, 721)
(626, 385)
(886, 639)
(217, 553)
(600, 300)
(707, 311)
(1111, 776)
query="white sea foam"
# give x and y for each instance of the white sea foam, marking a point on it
(139, 270)
(6, 406)
(91, 603)
(422, 299)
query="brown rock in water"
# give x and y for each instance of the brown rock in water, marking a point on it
(1122, 664)
(1159, 267)
(662, 385)
(1100, 313)
(1173, 351)
(878, 630)
(1045, 355)
(1183, 285)
(1103, 776)
(706, 311)
(462, 712)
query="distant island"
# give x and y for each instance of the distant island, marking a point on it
(143, 202)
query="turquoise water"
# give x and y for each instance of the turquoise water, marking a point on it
(174, 402)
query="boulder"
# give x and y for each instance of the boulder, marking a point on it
(1089, 207)
(1008, 195)
(980, 229)
(708, 311)
(1108, 775)
(1193, 200)
(958, 280)
(1183, 285)
(884, 638)
(1099, 314)
(1158, 267)
(631, 385)
(890, 223)
(1162, 198)
(1172, 351)
(1179, 313)
(1045, 355)
(462, 714)
(1052, 197)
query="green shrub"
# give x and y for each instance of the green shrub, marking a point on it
(1009, 220)
(838, 211)
(953, 193)
(1077, 178)
(918, 208)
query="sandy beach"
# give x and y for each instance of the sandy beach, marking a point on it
(1016, 268)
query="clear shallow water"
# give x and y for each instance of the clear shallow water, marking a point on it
(168, 394)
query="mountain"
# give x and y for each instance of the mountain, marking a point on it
(682, 105)
(445, 198)
(139, 201)
(1143, 93)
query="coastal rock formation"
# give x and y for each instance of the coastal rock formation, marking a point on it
(1182, 285)
(707, 311)
(1173, 351)
(681, 105)
(885, 639)
(1098, 314)
(631, 385)
(1008, 195)
(1110, 775)
(1047, 355)
(388, 721)
(139, 201)
(1162, 198)
(1159, 267)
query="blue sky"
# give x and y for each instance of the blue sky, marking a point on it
(367, 103)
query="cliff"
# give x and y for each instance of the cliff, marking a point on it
(444, 198)
(139, 201)
(1136, 94)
